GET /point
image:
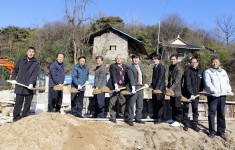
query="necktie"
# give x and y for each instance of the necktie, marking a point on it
(121, 74)
(139, 82)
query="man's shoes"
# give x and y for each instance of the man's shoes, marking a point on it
(185, 128)
(79, 116)
(196, 128)
(140, 121)
(158, 121)
(211, 135)
(58, 111)
(223, 137)
(170, 121)
(130, 123)
(113, 120)
(16, 119)
(175, 124)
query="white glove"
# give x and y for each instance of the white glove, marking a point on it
(217, 95)
(87, 83)
(65, 82)
(30, 87)
(192, 97)
(146, 85)
(116, 87)
(60, 84)
(79, 87)
(13, 81)
(133, 90)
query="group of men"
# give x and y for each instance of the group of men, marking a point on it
(189, 83)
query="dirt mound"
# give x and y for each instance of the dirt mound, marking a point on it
(55, 131)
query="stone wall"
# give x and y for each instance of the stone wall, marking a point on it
(109, 45)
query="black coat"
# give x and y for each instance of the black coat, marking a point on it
(115, 75)
(192, 82)
(25, 72)
(158, 78)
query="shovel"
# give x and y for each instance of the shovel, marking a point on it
(169, 92)
(222, 94)
(128, 93)
(184, 99)
(40, 88)
(58, 87)
(105, 89)
(74, 90)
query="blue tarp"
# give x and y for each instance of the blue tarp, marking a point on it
(68, 79)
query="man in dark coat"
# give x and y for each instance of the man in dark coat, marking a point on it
(136, 78)
(158, 83)
(57, 75)
(118, 78)
(174, 83)
(192, 84)
(25, 72)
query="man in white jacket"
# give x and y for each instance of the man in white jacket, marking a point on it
(216, 84)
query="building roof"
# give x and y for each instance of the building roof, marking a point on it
(192, 47)
(180, 43)
(132, 41)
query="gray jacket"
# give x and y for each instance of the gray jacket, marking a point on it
(100, 76)
(174, 79)
(133, 76)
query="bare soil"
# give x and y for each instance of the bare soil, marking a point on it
(57, 131)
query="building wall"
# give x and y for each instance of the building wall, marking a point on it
(182, 53)
(109, 45)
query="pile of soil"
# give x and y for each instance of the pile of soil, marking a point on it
(57, 131)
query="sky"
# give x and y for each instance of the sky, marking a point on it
(35, 13)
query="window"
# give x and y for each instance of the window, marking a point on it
(112, 47)
(180, 54)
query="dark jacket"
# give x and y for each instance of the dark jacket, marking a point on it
(25, 72)
(133, 77)
(79, 75)
(192, 82)
(100, 76)
(158, 78)
(57, 74)
(115, 75)
(174, 79)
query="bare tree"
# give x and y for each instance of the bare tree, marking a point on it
(172, 26)
(75, 18)
(227, 26)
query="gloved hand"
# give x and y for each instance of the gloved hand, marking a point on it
(79, 87)
(217, 95)
(192, 97)
(65, 82)
(30, 87)
(116, 87)
(87, 83)
(60, 84)
(13, 81)
(133, 90)
(146, 85)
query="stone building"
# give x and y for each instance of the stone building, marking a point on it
(110, 41)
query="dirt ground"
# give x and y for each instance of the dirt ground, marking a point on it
(56, 131)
